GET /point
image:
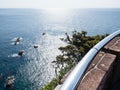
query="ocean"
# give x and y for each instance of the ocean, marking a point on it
(34, 69)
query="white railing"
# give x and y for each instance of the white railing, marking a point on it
(78, 72)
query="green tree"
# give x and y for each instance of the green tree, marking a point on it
(84, 33)
(77, 46)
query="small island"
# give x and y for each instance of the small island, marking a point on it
(77, 46)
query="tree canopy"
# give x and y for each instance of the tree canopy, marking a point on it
(77, 46)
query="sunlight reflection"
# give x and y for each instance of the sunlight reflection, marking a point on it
(57, 14)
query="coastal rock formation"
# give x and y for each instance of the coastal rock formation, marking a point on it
(20, 53)
(9, 82)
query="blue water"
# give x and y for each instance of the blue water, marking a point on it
(34, 69)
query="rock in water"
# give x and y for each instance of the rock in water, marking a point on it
(20, 53)
(36, 46)
(10, 81)
(43, 33)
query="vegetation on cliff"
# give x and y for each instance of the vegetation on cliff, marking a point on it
(77, 46)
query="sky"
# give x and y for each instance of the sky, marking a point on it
(59, 3)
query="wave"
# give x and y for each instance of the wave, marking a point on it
(14, 55)
(14, 39)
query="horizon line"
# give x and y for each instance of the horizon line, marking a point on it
(61, 8)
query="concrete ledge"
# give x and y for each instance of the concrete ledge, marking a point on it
(91, 80)
(106, 62)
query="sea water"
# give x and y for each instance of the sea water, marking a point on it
(34, 69)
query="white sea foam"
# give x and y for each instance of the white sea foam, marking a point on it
(14, 55)
(13, 43)
(14, 39)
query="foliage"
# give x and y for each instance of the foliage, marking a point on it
(54, 82)
(78, 45)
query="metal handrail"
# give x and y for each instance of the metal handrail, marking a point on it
(76, 75)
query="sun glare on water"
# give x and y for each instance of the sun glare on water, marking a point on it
(56, 11)
(57, 14)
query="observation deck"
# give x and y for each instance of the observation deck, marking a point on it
(98, 70)
(104, 71)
